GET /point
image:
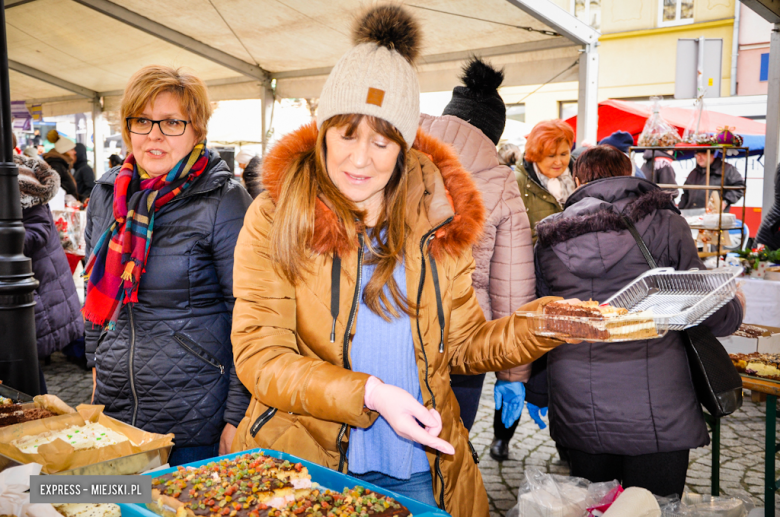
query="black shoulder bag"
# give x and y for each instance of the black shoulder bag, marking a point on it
(717, 383)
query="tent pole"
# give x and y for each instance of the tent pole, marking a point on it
(18, 349)
(97, 136)
(587, 99)
(266, 114)
(771, 215)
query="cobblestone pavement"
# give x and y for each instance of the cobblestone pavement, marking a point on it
(742, 443)
(742, 455)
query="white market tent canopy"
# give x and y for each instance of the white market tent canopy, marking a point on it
(71, 55)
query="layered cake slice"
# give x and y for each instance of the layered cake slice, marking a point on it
(592, 321)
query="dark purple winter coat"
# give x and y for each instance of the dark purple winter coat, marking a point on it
(626, 398)
(58, 319)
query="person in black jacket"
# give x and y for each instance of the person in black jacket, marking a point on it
(162, 355)
(58, 321)
(627, 410)
(61, 159)
(698, 176)
(114, 161)
(83, 173)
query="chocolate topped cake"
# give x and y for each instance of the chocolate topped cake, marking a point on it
(751, 331)
(23, 415)
(591, 321)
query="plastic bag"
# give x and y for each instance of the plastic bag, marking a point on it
(699, 119)
(605, 502)
(658, 132)
(550, 495)
(736, 503)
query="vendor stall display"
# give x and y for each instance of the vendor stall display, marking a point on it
(260, 483)
(714, 226)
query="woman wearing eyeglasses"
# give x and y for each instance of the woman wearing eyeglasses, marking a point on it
(161, 229)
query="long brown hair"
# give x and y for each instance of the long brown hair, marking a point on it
(293, 228)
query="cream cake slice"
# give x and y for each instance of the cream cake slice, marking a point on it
(92, 435)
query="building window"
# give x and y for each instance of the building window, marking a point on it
(589, 11)
(567, 109)
(675, 12)
(763, 75)
(515, 112)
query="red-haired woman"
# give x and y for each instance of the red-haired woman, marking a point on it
(544, 176)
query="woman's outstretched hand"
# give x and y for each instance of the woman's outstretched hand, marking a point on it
(405, 414)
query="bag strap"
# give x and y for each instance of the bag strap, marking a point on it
(641, 243)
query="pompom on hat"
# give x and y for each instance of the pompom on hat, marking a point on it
(377, 76)
(478, 102)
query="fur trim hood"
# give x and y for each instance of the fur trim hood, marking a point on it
(38, 183)
(447, 191)
(591, 227)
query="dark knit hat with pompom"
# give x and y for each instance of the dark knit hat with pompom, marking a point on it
(479, 103)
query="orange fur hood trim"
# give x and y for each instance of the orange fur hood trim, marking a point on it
(465, 199)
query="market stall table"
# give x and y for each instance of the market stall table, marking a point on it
(771, 485)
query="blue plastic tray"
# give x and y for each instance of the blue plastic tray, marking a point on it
(323, 476)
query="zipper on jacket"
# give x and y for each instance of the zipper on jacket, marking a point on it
(427, 238)
(130, 363)
(345, 349)
(263, 419)
(202, 355)
(474, 453)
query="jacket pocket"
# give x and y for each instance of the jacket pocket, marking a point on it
(198, 351)
(263, 419)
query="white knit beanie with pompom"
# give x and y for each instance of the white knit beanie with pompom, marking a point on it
(377, 76)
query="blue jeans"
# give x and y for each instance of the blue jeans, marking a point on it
(419, 487)
(184, 455)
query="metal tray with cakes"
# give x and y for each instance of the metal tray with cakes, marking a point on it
(654, 303)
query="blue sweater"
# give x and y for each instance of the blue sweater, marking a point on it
(385, 350)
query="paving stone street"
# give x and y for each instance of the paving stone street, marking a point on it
(742, 444)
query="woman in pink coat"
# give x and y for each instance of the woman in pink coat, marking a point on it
(504, 278)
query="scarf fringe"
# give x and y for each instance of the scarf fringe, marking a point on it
(128, 272)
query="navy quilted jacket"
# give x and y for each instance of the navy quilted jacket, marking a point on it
(167, 367)
(58, 318)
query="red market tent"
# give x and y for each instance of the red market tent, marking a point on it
(615, 115)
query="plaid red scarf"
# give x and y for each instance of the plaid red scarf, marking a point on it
(119, 257)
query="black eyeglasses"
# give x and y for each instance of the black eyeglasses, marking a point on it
(168, 127)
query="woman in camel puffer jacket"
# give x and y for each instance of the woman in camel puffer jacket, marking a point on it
(504, 277)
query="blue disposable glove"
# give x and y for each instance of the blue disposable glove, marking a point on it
(534, 412)
(510, 395)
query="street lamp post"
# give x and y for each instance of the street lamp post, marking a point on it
(18, 351)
